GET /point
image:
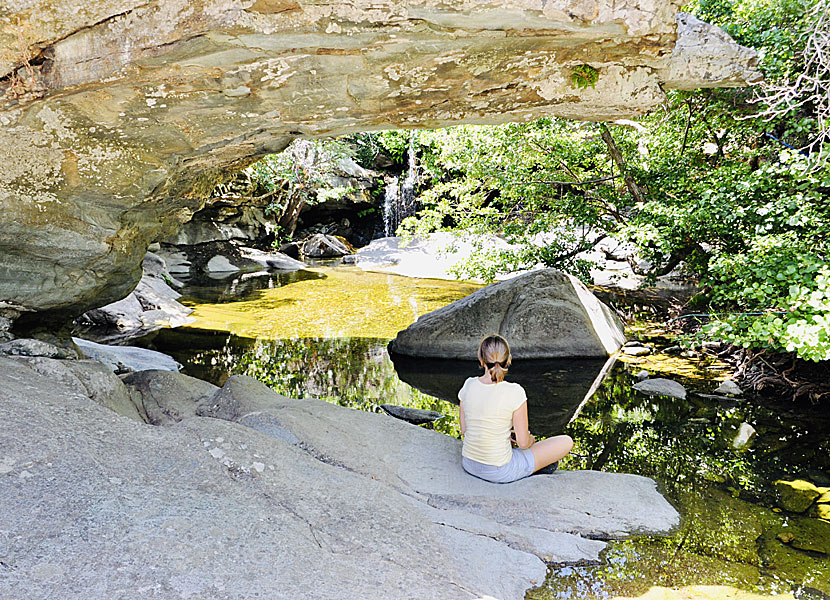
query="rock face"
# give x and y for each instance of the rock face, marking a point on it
(118, 117)
(153, 304)
(542, 314)
(281, 499)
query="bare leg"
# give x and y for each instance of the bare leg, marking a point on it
(551, 450)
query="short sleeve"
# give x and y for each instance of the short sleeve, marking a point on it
(462, 393)
(519, 396)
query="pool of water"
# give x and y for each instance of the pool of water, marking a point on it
(323, 333)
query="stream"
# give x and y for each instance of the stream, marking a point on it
(322, 332)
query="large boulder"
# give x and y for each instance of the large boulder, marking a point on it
(542, 314)
(278, 498)
(118, 117)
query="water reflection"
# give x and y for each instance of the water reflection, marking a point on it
(730, 525)
(205, 289)
(324, 301)
(728, 537)
(555, 388)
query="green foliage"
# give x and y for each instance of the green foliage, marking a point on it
(584, 76)
(393, 144)
(722, 200)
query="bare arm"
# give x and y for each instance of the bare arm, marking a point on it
(523, 438)
(461, 417)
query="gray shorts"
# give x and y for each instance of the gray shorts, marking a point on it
(520, 466)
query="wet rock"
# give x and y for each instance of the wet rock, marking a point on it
(786, 536)
(221, 264)
(673, 350)
(350, 259)
(812, 535)
(416, 416)
(325, 246)
(125, 359)
(636, 350)
(661, 387)
(543, 314)
(291, 249)
(796, 496)
(744, 436)
(729, 388)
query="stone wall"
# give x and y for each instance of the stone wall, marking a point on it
(117, 117)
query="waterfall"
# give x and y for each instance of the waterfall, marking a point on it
(399, 196)
(391, 203)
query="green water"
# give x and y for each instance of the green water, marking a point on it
(323, 333)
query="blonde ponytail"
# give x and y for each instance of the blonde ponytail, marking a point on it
(494, 356)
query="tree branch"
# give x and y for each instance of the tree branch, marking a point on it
(620, 162)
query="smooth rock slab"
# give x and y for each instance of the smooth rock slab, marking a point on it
(587, 503)
(339, 504)
(542, 314)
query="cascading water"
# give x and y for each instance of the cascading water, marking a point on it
(391, 203)
(399, 197)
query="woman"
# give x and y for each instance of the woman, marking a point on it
(490, 408)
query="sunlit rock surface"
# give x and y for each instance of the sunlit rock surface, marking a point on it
(275, 498)
(543, 314)
(117, 117)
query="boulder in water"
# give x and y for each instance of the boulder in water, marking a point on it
(543, 314)
(661, 387)
(321, 245)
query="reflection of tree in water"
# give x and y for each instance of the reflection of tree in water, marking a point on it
(353, 372)
(682, 442)
(728, 531)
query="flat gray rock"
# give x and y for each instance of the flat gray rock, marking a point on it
(284, 499)
(33, 347)
(165, 397)
(636, 350)
(543, 314)
(661, 387)
(126, 359)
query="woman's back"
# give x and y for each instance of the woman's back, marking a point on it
(488, 415)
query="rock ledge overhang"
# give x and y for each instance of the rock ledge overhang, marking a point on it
(117, 117)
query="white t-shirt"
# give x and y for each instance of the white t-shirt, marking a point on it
(488, 416)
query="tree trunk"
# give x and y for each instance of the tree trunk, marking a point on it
(620, 162)
(289, 216)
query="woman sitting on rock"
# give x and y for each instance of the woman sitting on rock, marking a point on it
(490, 408)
